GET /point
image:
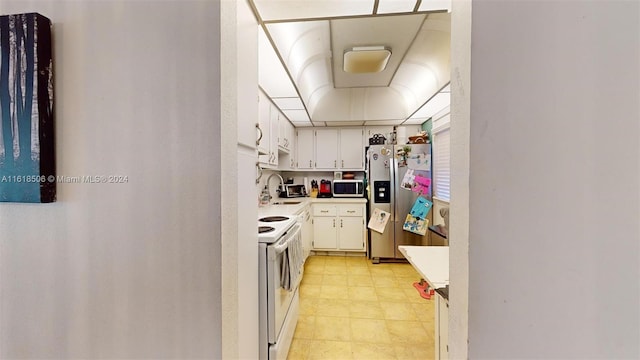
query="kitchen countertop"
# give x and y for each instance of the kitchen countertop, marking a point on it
(431, 262)
(292, 209)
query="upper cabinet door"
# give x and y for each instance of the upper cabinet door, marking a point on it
(305, 147)
(351, 149)
(327, 149)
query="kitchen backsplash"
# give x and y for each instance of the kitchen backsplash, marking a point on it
(298, 178)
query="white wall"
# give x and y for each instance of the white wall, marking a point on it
(122, 270)
(554, 240)
(239, 96)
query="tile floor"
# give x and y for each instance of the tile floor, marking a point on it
(353, 309)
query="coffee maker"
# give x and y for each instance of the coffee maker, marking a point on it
(325, 188)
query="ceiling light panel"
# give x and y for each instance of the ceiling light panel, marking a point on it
(305, 49)
(296, 116)
(435, 5)
(272, 76)
(349, 33)
(434, 106)
(383, 122)
(292, 103)
(311, 9)
(366, 59)
(395, 6)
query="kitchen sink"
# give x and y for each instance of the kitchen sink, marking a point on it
(287, 203)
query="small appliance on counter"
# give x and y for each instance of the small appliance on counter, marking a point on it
(348, 188)
(314, 189)
(325, 189)
(292, 190)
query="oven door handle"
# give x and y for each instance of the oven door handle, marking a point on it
(283, 244)
(279, 248)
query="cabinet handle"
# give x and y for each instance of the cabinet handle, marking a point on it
(334, 222)
(309, 164)
(324, 211)
(351, 211)
(259, 173)
(340, 222)
(259, 137)
(342, 163)
(335, 163)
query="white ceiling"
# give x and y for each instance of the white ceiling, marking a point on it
(303, 74)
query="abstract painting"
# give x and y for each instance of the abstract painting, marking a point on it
(27, 159)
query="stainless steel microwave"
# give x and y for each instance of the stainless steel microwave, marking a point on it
(348, 188)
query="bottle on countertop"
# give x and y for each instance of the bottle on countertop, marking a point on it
(265, 196)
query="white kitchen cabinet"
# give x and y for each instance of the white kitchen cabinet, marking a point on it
(327, 149)
(305, 148)
(270, 136)
(339, 227)
(442, 328)
(285, 133)
(325, 233)
(307, 229)
(351, 149)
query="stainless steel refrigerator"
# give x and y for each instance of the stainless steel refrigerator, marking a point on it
(386, 169)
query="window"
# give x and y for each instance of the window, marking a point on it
(441, 164)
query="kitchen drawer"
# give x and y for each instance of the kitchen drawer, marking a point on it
(324, 210)
(351, 210)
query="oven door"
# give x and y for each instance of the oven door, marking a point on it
(278, 299)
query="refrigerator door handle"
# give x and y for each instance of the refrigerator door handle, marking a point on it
(393, 184)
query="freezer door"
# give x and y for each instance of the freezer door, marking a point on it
(404, 200)
(380, 162)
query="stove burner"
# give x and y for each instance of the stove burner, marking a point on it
(274, 218)
(265, 229)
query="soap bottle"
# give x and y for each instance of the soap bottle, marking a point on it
(264, 196)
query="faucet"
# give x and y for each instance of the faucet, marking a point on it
(280, 187)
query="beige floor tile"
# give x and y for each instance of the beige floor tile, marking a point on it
(338, 309)
(397, 311)
(308, 306)
(406, 283)
(335, 260)
(314, 269)
(311, 279)
(425, 309)
(359, 280)
(377, 270)
(299, 349)
(333, 307)
(309, 291)
(305, 327)
(408, 332)
(365, 309)
(330, 350)
(405, 270)
(369, 330)
(413, 296)
(332, 328)
(333, 292)
(362, 293)
(339, 280)
(358, 270)
(367, 351)
(384, 281)
(315, 259)
(390, 294)
(355, 260)
(414, 351)
(335, 269)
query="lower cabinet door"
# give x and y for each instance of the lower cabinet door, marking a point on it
(351, 233)
(325, 235)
